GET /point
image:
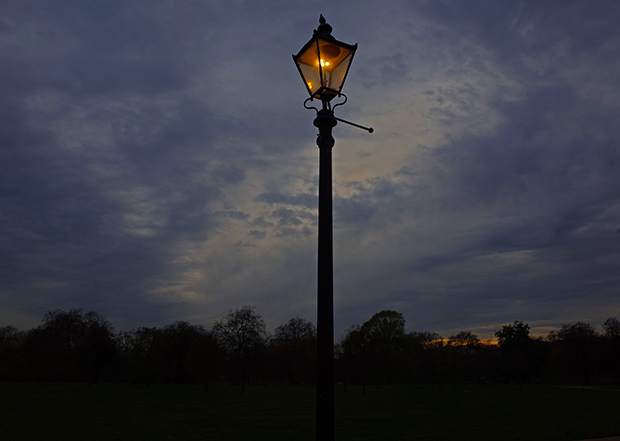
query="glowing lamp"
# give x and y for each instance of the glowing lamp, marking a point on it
(324, 62)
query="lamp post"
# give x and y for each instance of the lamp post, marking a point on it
(323, 64)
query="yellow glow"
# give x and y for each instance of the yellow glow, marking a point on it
(324, 63)
(445, 341)
(310, 85)
(330, 51)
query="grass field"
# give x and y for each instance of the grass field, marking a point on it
(476, 413)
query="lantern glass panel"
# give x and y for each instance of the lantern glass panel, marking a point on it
(323, 63)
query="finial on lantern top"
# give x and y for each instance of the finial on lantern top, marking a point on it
(324, 28)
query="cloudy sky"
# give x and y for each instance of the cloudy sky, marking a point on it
(157, 164)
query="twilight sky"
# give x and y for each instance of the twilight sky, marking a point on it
(157, 164)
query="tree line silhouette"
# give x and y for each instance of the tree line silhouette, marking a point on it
(77, 346)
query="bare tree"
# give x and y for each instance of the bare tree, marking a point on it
(515, 345)
(293, 350)
(578, 342)
(243, 336)
(611, 328)
(71, 345)
(385, 334)
(611, 340)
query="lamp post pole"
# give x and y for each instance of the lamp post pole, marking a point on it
(323, 63)
(325, 425)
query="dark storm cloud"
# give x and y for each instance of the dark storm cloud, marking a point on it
(45, 203)
(528, 28)
(370, 198)
(59, 225)
(123, 126)
(83, 212)
(234, 214)
(531, 154)
(96, 48)
(543, 159)
(305, 200)
(228, 174)
(384, 70)
(261, 222)
(258, 234)
(289, 217)
(487, 165)
(531, 203)
(154, 161)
